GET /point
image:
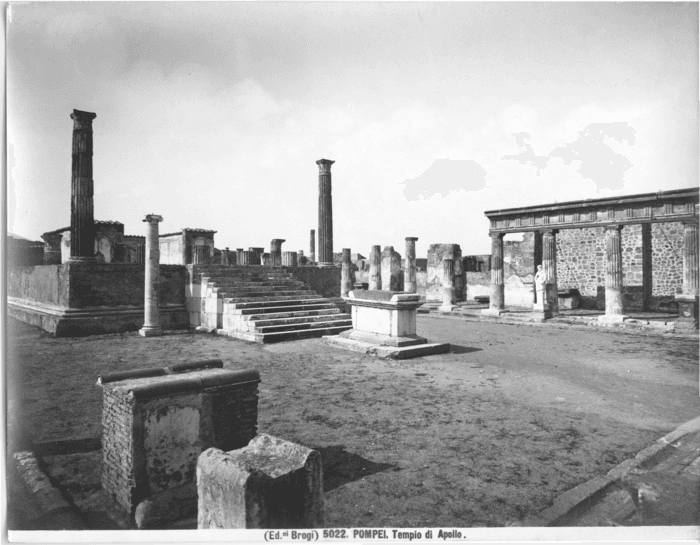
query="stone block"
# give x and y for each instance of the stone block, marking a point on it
(157, 421)
(437, 253)
(271, 483)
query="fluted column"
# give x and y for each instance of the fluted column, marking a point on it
(239, 256)
(688, 300)
(325, 214)
(276, 251)
(82, 218)
(448, 288)
(375, 268)
(496, 302)
(312, 246)
(614, 291)
(549, 266)
(289, 259)
(151, 325)
(246, 257)
(409, 273)
(346, 280)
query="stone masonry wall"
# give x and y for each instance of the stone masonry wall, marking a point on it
(667, 258)
(324, 281)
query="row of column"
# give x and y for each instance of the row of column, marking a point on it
(614, 292)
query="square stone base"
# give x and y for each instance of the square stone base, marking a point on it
(390, 352)
(383, 340)
(687, 312)
(541, 315)
(150, 332)
(492, 312)
(612, 318)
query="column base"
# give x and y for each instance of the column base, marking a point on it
(325, 265)
(446, 308)
(492, 312)
(687, 312)
(612, 318)
(151, 331)
(541, 315)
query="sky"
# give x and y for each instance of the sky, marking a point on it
(213, 115)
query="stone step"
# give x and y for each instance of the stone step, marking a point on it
(255, 284)
(263, 315)
(285, 309)
(264, 295)
(300, 334)
(249, 277)
(301, 322)
(276, 300)
(390, 352)
(236, 288)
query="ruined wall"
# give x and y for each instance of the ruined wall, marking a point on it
(436, 254)
(119, 284)
(155, 424)
(667, 258)
(172, 249)
(46, 284)
(324, 281)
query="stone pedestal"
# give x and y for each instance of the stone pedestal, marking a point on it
(384, 324)
(375, 268)
(409, 278)
(271, 483)
(448, 290)
(391, 269)
(289, 259)
(82, 219)
(156, 422)
(346, 276)
(614, 296)
(325, 214)
(151, 325)
(312, 246)
(276, 251)
(540, 309)
(496, 302)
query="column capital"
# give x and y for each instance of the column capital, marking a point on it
(552, 232)
(613, 227)
(324, 166)
(153, 218)
(278, 240)
(690, 223)
(411, 239)
(496, 235)
(82, 120)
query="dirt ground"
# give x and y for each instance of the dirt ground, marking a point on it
(496, 429)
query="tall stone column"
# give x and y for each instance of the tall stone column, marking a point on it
(239, 256)
(151, 325)
(688, 300)
(325, 214)
(312, 246)
(246, 257)
(409, 273)
(614, 291)
(375, 268)
(549, 266)
(537, 260)
(391, 269)
(496, 300)
(276, 251)
(346, 280)
(82, 218)
(448, 288)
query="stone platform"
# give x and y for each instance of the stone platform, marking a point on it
(384, 325)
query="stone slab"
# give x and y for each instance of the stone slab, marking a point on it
(384, 340)
(389, 352)
(491, 312)
(168, 506)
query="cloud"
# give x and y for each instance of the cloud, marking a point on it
(444, 177)
(527, 155)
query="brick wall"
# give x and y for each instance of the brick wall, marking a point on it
(155, 424)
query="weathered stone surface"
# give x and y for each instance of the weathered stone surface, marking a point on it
(614, 297)
(276, 251)
(156, 422)
(448, 290)
(168, 506)
(375, 268)
(289, 259)
(392, 278)
(271, 483)
(82, 222)
(409, 279)
(346, 273)
(312, 246)
(434, 280)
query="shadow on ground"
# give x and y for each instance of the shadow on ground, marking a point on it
(457, 349)
(341, 467)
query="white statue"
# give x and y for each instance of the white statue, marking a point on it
(540, 281)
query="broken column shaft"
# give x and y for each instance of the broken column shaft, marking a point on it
(346, 280)
(276, 251)
(325, 214)
(375, 268)
(82, 218)
(312, 246)
(410, 285)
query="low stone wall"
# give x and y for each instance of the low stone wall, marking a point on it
(92, 298)
(324, 281)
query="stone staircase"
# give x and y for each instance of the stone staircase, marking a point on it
(264, 304)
